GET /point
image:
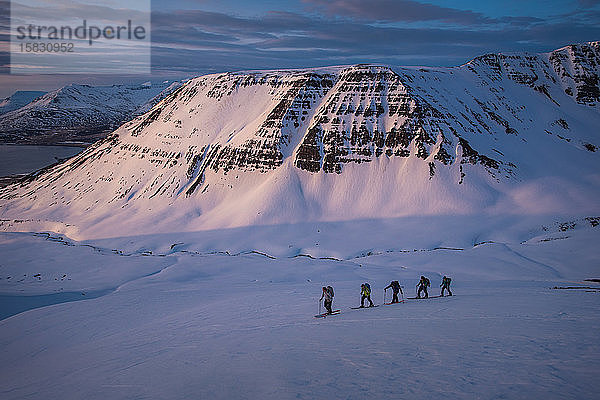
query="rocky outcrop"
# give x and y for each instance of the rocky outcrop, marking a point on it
(369, 113)
(573, 69)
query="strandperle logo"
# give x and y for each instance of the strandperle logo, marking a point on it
(83, 31)
(80, 37)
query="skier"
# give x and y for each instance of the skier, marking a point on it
(395, 285)
(423, 284)
(328, 295)
(446, 285)
(365, 291)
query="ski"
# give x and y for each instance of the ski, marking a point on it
(358, 308)
(335, 312)
(425, 298)
(391, 304)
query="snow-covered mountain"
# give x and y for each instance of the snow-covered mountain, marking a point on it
(18, 99)
(80, 112)
(503, 134)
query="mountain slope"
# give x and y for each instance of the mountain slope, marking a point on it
(80, 112)
(502, 134)
(18, 99)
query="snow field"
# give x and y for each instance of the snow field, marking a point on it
(191, 325)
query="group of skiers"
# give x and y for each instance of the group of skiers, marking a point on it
(424, 283)
(365, 292)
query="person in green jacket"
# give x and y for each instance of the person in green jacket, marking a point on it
(365, 291)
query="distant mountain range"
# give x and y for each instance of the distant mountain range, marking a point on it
(79, 113)
(18, 99)
(503, 134)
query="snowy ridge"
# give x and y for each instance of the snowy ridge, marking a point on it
(572, 70)
(502, 134)
(144, 108)
(79, 112)
(18, 99)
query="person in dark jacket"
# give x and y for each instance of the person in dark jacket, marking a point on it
(328, 296)
(365, 291)
(422, 285)
(446, 286)
(395, 286)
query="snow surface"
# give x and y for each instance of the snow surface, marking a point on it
(190, 324)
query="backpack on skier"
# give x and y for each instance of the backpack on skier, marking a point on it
(426, 282)
(330, 291)
(396, 286)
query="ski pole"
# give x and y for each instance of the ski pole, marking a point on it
(384, 292)
(319, 307)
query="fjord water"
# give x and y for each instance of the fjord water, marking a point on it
(23, 159)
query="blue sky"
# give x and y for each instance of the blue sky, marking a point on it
(192, 37)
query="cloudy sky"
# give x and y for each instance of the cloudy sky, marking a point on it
(193, 37)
